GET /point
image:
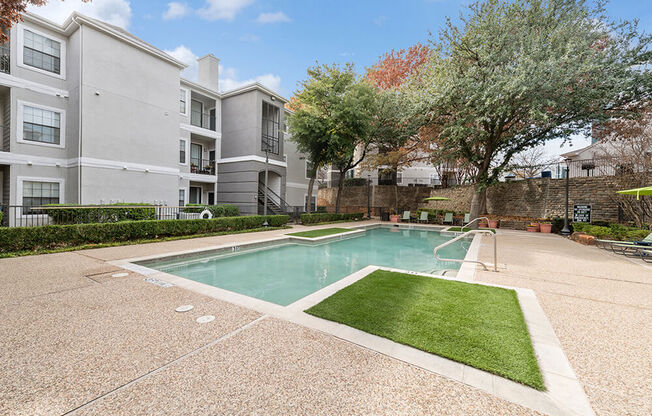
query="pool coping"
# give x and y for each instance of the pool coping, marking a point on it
(564, 395)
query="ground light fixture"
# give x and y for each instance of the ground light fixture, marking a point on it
(566, 230)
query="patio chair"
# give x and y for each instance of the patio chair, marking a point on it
(423, 217)
(467, 219)
(606, 244)
(646, 255)
(632, 249)
(406, 216)
(448, 218)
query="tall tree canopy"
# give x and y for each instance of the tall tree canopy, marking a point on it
(332, 121)
(10, 13)
(514, 74)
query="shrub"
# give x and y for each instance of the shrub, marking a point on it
(65, 214)
(53, 236)
(325, 217)
(612, 232)
(321, 209)
(355, 182)
(216, 210)
(1, 215)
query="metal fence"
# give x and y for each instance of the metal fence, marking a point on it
(33, 216)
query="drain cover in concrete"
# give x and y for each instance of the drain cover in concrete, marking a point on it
(205, 319)
(184, 308)
(120, 275)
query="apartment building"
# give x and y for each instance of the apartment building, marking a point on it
(93, 115)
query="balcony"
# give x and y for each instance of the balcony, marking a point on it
(202, 167)
(203, 120)
(5, 54)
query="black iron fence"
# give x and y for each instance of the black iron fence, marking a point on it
(34, 216)
(202, 166)
(203, 120)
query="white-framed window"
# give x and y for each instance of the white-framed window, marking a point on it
(40, 125)
(399, 178)
(182, 151)
(309, 168)
(314, 202)
(434, 179)
(349, 174)
(183, 101)
(36, 192)
(182, 197)
(41, 52)
(195, 195)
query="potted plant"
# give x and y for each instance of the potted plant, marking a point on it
(393, 217)
(483, 224)
(545, 227)
(532, 227)
(493, 223)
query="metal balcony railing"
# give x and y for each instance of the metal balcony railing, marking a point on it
(202, 166)
(203, 120)
(5, 58)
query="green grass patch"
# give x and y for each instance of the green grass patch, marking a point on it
(321, 233)
(130, 243)
(465, 229)
(473, 324)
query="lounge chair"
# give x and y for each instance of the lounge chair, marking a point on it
(632, 249)
(423, 217)
(467, 219)
(611, 243)
(646, 255)
(448, 218)
(406, 216)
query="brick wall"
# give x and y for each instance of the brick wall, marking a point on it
(538, 198)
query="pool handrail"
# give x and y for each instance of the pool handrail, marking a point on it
(459, 237)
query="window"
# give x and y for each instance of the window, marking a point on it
(310, 167)
(182, 101)
(196, 114)
(195, 195)
(41, 52)
(349, 174)
(399, 178)
(434, 179)
(37, 194)
(313, 206)
(41, 125)
(195, 154)
(182, 151)
(182, 197)
(271, 125)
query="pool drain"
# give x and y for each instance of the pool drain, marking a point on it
(184, 308)
(205, 319)
(120, 275)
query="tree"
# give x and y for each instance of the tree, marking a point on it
(514, 74)
(333, 116)
(395, 67)
(11, 12)
(530, 163)
(626, 148)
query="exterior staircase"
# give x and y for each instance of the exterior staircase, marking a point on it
(275, 204)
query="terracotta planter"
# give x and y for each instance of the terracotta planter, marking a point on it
(493, 223)
(545, 228)
(532, 228)
(483, 225)
(395, 218)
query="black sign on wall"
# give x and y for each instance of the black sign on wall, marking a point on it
(581, 213)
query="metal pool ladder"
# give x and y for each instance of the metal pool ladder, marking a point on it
(459, 237)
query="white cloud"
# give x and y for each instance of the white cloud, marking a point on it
(249, 37)
(115, 12)
(380, 20)
(176, 10)
(278, 17)
(222, 9)
(185, 55)
(228, 75)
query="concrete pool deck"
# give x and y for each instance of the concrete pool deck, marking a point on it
(77, 338)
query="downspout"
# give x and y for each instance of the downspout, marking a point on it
(79, 128)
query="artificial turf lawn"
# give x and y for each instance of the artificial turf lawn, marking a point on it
(321, 233)
(478, 325)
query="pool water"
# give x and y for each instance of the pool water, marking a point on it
(285, 273)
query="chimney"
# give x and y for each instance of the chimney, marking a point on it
(208, 73)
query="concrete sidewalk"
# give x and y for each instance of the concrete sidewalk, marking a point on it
(75, 339)
(600, 306)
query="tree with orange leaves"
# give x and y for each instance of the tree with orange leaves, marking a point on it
(11, 12)
(395, 67)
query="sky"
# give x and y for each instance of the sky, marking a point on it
(275, 41)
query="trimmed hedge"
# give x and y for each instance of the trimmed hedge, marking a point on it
(325, 217)
(55, 236)
(612, 232)
(217, 210)
(65, 214)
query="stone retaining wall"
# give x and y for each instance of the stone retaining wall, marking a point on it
(538, 198)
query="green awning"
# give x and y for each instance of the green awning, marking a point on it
(437, 198)
(637, 191)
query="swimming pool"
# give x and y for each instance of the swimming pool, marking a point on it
(288, 271)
